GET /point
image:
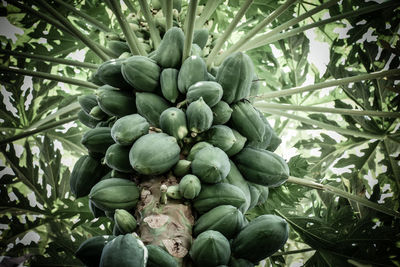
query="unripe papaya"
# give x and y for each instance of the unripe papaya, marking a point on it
(141, 72)
(199, 116)
(169, 53)
(151, 106)
(192, 70)
(189, 186)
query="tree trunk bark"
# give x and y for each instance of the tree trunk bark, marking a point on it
(167, 225)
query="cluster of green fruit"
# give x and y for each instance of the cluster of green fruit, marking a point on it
(155, 115)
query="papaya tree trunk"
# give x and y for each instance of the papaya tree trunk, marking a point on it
(168, 225)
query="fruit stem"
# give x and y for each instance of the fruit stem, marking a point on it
(163, 198)
(227, 33)
(43, 128)
(267, 39)
(168, 14)
(336, 82)
(49, 59)
(189, 29)
(342, 111)
(133, 42)
(325, 126)
(336, 191)
(49, 76)
(154, 33)
(180, 104)
(208, 10)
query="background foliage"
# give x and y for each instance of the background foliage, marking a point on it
(41, 221)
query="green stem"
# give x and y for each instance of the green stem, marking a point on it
(287, 24)
(189, 28)
(292, 252)
(38, 130)
(325, 126)
(130, 6)
(336, 191)
(48, 76)
(49, 59)
(85, 16)
(228, 31)
(261, 41)
(131, 38)
(154, 33)
(86, 40)
(73, 107)
(208, 10)
(342, 111)
(337, 82)
(168, 14)
(259, 27)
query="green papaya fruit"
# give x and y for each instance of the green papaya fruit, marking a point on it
(86, 173)
(173, 122)
(87, 120)
(200, 37)
(211, 92)
(189, 186)
(128, 129)
(151, 106)
(87, 102)
(124, 221)
(246, 120)
(235, 75)
(221, 113)
(235, 178)
(114, 193)
(117, 157)
(192, 70)
(97, 113)
(226, 219)
(214, 195)
(261, 238)
(274, 143)
(255, 194)
(116, 102)
(221, 136)
(154, 153)
(182, 168)
(158, 257)
(124, 251)
(262, 166)
(238, 145)
(110, 73)
(211, 165)
(173, 192)
(118, 47)
(97, 139)
(199, 116)
(142, 73)
(169, 53)
(89, 251)
(169, 84)
(210, 248)
(196, 148)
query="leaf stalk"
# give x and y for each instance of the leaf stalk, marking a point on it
(227, 33)
(189, 29)
(336, 191)
(49, 76)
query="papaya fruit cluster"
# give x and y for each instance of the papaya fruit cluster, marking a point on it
(153, 115)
